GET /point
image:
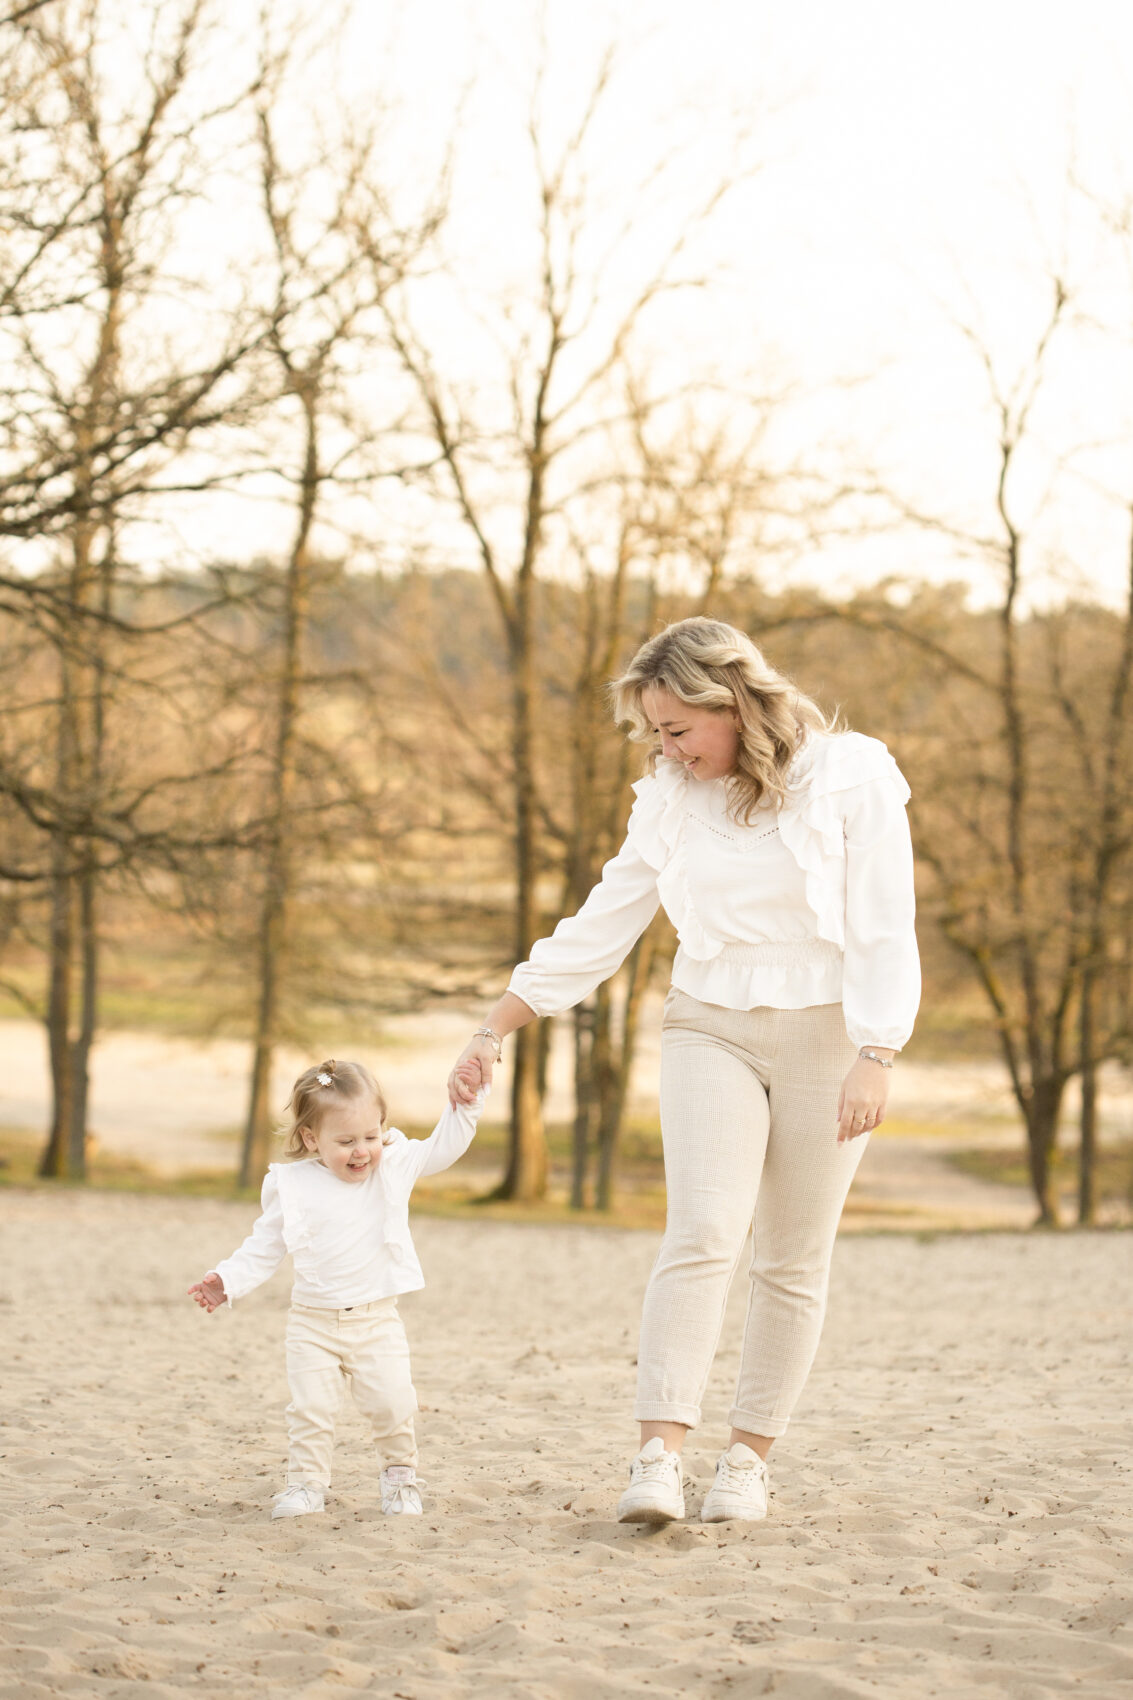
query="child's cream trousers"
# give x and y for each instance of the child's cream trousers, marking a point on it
(366, 1346)
(748, 1112)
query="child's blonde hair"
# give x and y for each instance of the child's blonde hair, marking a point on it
(320, 1089)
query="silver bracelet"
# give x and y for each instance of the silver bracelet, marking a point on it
(486, 1033)
(872, 1056)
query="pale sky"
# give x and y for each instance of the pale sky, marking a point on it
(915, 170)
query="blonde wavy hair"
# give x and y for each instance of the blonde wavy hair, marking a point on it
(322, 1088)
(709, 664)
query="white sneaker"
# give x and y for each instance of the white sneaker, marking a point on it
(739, 1492)
(655, 1493)
(297, 1501)
(400, 1494)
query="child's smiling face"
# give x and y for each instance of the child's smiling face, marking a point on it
(348, 1140)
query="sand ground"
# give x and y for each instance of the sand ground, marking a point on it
(952, 1512)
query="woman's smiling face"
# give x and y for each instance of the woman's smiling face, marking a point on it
(706, 741)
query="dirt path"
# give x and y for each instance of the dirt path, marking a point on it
(908, 1182)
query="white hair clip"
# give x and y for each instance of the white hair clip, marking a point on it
(324, 1079)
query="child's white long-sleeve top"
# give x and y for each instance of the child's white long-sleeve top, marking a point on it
(349, 1240)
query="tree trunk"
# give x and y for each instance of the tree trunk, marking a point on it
(609, 1109)
(56, 1159)
(83, 1042)
(1109, 852)
(1088, 1120)
(1042, 1134)
(87, 881)
(80, 745)
(59, 1157)
(276, 897)
(257, 1127)
(584, 1102)
(526, 1176)
(546, 1032)
(619, 1065)
(270, 944)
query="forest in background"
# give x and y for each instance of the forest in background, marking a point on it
(401, 886)
(325, 784)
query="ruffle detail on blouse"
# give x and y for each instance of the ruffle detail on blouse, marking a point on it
(656, 822)
(657, 828)
(811, 824)
(785, 974)
(296, 1222)
(298, 1229)
(395, 1215)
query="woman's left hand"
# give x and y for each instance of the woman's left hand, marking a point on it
(862, 1100)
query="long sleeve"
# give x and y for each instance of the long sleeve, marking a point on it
(261, 1253)
(588, 947)
(449, 1140)
(881, 984)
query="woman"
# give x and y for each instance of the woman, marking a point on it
(780, 850)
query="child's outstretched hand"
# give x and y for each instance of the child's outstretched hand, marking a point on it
(208, 1293)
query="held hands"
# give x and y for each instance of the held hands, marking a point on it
(208, 1293)
(862, 1100)
(482, 1052)
(473, 1070)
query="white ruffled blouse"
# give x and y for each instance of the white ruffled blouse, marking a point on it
(810, 902)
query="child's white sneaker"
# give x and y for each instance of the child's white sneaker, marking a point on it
(401, 1496)
(739, 1492)
(655, 1493)
(297, 1501)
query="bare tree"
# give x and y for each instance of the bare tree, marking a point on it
(91, 431)
(337, 252)
(692, 501)
(1024, 829)
(563, 351)
(1099, 895)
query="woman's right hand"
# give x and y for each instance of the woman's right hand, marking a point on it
(482, 1054)
(503, 1018)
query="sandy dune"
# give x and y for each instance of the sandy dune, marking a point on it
(952, 1513)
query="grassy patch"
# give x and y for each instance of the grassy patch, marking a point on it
(640, 1200)
(641, 1204)
(20, 1153)
(912, 1127)
(631, 1210)
(155, 984)
(1114, 1173)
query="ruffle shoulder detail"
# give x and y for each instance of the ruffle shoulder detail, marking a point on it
(297, 1226)
(395, 1195)
(838, 761)
(657, 832)
(656, 822)
(812, 824)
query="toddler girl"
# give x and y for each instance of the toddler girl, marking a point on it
(343, 1214)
